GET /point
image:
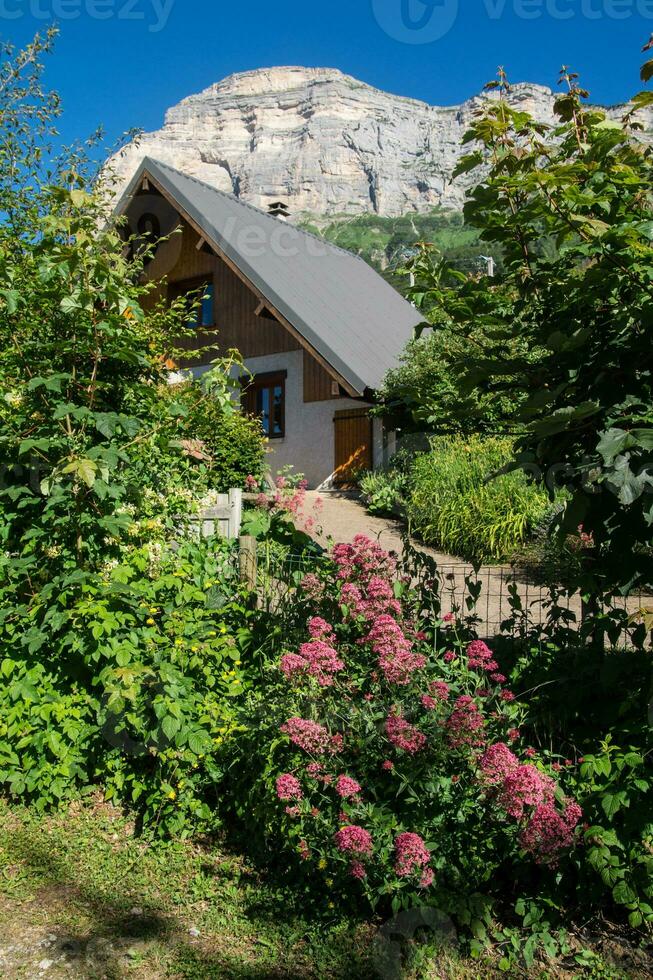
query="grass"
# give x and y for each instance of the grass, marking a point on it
(454, 507)
(115, 906)
(81, 895)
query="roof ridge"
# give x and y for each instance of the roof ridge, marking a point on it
(252, 207)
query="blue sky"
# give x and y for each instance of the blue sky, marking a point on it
(121, 63)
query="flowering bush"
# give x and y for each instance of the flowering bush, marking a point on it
(286, 503)
(389, 735)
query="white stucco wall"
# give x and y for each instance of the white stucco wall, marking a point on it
(309, 442)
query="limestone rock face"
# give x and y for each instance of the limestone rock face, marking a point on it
(321, 141)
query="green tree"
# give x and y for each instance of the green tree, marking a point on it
(78, 357)
(113, 648)
(566, 330)
(424, 392)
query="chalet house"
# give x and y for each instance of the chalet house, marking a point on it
(316, 326)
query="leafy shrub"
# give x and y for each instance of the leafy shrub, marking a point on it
(597, 709)
(553, 558)
(231, 443)
(564, 331)
(48, 735)
(423, 391)
(378, 748)
(144, 664)
(455, 507)
(384, 491)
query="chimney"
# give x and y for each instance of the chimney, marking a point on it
(279, 210)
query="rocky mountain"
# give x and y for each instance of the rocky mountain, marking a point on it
(321, 141)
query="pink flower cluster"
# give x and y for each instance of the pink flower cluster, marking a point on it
(319, 629)
(413, 856)
(288, 788)
(404, 735)
(307, 735)
(525, 786)
(372, 600)
(316, 659)
(354, 840)
(397, 659)
(465, 723)
(439, 690)
(497, 762)
(311, 586)
(548, 831)
(289, 501)
(518, 786)
(347, 787)
(480, 657)
(363, 559)
(292, 665)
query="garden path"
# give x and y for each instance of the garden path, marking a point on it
(343, 516)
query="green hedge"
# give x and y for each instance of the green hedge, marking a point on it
(454, 506)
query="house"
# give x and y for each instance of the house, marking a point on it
(316, 326)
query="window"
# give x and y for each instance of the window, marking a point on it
(265, 396)
(203, 293)
(149, 226)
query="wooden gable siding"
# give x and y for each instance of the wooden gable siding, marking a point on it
(318, 383)
(235, 305)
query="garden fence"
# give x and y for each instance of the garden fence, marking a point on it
(502, 599)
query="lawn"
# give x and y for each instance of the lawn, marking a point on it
(82, 895)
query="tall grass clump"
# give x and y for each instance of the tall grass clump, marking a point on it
(454, 505)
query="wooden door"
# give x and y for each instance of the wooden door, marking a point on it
(353, 445)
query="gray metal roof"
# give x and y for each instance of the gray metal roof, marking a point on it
(344, 309)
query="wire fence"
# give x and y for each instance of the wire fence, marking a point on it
(499, 599)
